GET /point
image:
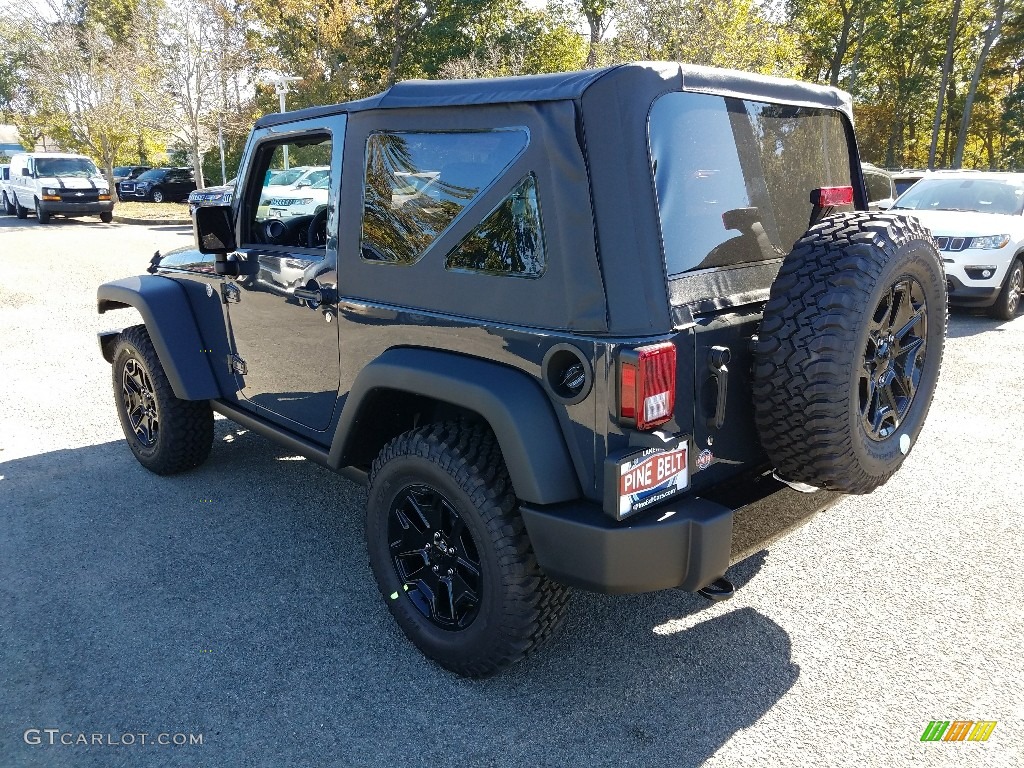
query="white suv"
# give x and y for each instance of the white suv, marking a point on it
(977, 222)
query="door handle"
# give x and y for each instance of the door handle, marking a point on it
(718, 363)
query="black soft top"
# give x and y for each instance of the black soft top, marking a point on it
(632, 78)
(589, 152)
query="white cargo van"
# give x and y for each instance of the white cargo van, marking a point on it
(57, 183)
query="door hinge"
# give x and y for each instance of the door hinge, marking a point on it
(232, 293)
(237, 365)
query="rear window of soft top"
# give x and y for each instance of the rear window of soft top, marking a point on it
(734, 176)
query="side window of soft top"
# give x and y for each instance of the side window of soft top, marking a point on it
(418, 183)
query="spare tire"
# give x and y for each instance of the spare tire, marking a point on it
(849, 350)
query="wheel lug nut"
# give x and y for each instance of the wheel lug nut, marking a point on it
(436, 569)
(450, 571)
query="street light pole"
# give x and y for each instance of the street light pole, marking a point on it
(280, 83)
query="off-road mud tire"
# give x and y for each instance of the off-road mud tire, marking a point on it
(815, 340)
(519, 607)
(185, 427)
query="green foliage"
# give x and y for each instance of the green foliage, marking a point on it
(726, 33)
(71, 82)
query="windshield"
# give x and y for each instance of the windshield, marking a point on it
(314, 176)
(65, 166)
(152, 175)
(1004, 196)
(284, 178)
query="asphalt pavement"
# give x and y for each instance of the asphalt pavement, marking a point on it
(234, 604)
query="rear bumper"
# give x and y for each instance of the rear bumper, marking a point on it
(684, 543)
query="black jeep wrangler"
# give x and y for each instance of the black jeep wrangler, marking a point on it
(613, 329)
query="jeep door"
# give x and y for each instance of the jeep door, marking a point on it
(281, 307)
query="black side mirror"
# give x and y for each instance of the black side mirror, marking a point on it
(26, 172)
(215, 229)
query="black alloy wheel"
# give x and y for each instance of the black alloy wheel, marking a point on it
(849, 350)
(140, 403)
(435, 557)
(894, 358)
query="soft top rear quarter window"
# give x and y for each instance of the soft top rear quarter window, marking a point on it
(734, 177)
(417, 184)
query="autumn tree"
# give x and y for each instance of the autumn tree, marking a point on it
(76, 88)
(724, 33)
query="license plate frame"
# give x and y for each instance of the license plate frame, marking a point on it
(641, 479)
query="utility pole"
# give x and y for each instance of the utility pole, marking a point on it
(280, 83)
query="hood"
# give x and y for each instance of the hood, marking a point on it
(220, 188)
(968, 223)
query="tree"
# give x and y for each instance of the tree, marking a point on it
(947, 67)
(724, 33)
(76, 89)
(203, 60)
(829, 32)
(991, 35)
(514, 40)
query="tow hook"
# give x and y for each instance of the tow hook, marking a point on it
(718, 590)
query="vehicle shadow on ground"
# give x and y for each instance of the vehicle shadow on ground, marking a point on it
(964, 323)
(236, 601)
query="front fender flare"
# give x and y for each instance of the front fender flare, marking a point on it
(168, 316)
(512, 403)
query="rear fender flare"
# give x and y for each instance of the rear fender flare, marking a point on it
(509, 400)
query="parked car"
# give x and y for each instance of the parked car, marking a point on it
(881, 190)
(285, 185)
(51, 183)
(219, 195)
(6, 206)
(295, 178)
(539, 318)
(127, 172)
(906, 178)
(159, 185)
(304, 201)
(977, 220)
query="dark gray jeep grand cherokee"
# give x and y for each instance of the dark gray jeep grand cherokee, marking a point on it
(614, 329)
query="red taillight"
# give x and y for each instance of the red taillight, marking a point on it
(831, 197)
(647, 384)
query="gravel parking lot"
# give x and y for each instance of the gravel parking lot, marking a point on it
(235, 601)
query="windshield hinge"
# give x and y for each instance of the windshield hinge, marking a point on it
(237, 365)
(231, 293)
